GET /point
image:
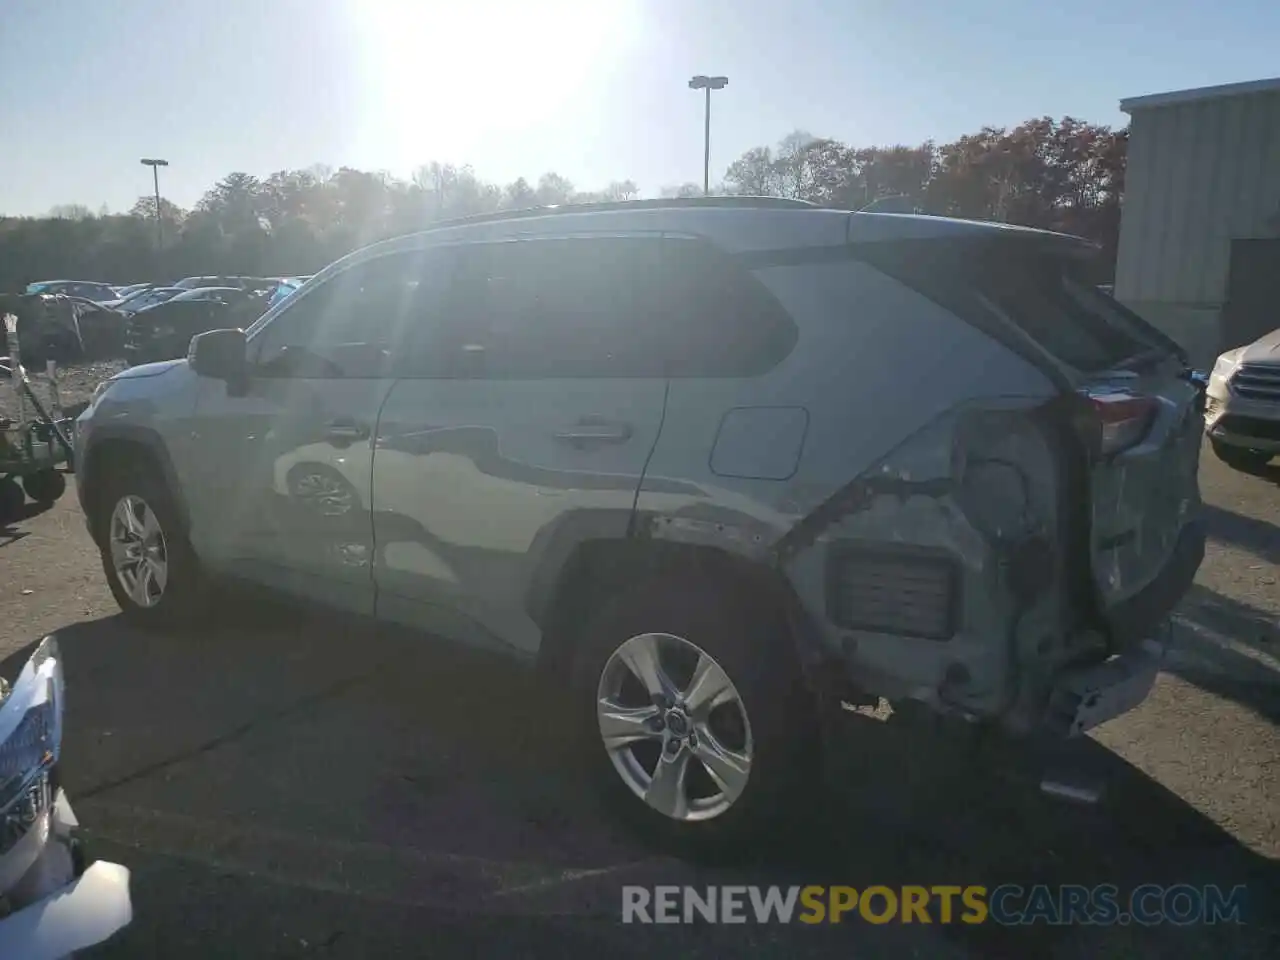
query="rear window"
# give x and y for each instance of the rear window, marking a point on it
(1043, 290)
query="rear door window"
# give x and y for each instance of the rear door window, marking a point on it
(606, 307)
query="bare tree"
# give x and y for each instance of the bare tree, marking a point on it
(70, 211)
(681, 191)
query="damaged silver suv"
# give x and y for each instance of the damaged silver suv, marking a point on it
(717, 465)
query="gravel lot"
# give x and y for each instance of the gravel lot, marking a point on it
(287, 786)
(75, 383)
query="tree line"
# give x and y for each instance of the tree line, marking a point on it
(1065, 175)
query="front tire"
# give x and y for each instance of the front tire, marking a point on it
(151, 569)
(698, 727)
(1244, 459)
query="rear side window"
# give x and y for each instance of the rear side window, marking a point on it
(1044, 292)
(608, 307)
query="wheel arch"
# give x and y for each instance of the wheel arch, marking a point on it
(593, 569)
(125, 447)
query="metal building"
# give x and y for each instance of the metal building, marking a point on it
(1199, 252)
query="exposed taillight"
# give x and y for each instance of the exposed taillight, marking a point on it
(1112, 421)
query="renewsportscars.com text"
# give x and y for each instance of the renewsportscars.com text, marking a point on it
(1007, 905)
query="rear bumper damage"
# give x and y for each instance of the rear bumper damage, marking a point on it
(1084, 697)
(1140, 616)
(1074, 697)
(1002, 633)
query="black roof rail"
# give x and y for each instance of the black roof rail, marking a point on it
(748, 203)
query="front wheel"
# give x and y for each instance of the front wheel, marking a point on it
(699, 727)
(151, 569)
(1245, 459)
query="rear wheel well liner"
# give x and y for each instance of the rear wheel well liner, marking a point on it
(597, 569)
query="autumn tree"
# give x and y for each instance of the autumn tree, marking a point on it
(1062, 174)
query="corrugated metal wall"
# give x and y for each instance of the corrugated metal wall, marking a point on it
(1199, 175)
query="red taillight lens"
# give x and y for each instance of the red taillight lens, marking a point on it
(1112, 421)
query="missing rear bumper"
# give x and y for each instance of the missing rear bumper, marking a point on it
(1086, 696)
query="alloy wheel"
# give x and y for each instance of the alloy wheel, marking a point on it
(674, 726)
(139, 553)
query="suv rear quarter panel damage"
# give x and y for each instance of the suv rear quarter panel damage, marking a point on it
(889, 380)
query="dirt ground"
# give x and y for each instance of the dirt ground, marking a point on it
(292, 786)
(75, 384)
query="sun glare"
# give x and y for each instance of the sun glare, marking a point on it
(441, 77)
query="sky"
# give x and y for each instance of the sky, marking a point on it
(596, 90)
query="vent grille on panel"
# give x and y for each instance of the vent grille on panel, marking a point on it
(913, 592)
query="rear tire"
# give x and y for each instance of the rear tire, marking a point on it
(150, 567)
(764, 716)
(1244, 459)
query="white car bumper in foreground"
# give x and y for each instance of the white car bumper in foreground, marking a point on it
(79, 915)
(76, 912)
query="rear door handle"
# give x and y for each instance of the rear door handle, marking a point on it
(588, 432)
(346, 431)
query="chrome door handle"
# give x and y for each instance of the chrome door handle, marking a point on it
(345, 431)
(587, 433)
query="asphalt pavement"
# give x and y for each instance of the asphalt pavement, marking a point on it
(287, 785)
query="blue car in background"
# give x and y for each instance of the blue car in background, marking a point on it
(285, 290)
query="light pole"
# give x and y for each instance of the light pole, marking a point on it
(155, 166)
(708, 84)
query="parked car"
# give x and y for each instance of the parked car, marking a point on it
(243, 283)
(1242, 407)
(62, 328)
(717, 466)
(284, 288)
(164, 330)
(97, 292)
(130, 289)
(141, 299)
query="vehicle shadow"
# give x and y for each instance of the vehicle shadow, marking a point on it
(1230, 649)
(273, 725)
(9, 534)
(1259, 537)
(1269, 471)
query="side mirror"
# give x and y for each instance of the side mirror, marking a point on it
(219, 354)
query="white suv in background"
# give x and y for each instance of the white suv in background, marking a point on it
(1242, 404)
(716, 465)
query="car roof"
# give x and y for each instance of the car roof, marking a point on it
(737, 224)
(188, 294)
(142, 291)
